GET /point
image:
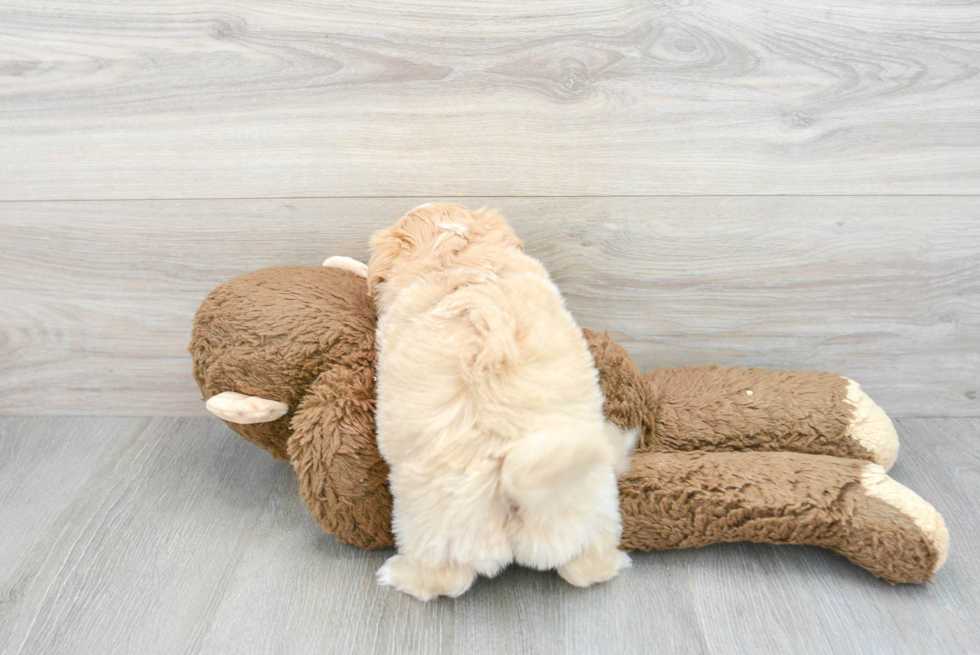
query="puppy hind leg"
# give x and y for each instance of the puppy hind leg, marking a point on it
(448, 527)
(423, 581)
(600, 561)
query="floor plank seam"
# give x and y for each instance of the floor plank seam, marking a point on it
(503, 196)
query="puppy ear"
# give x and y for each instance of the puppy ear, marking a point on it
(385, 248)
(495, 223)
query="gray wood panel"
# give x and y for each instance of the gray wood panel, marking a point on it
(289, 98)
(174, 536)
(97, 298)
(136, 556)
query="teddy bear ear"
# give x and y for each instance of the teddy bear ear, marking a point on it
(239, 408)
(346, 264)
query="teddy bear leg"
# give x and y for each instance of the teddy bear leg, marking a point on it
(730, 408)
(684, 500)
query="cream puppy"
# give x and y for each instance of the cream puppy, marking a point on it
(489, 411)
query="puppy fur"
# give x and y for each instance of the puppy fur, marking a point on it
(489, 411)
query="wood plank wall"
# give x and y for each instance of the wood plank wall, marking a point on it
(786, 184)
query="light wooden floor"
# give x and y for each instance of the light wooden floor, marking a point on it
(128, 535)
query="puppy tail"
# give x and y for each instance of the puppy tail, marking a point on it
(548, 465)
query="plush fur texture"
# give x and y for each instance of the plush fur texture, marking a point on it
(692, 499)
(271, 333)
(713, 463)
(489, 410)
(305, 336)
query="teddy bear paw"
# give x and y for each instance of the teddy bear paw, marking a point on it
(878, 484)
(871, 427)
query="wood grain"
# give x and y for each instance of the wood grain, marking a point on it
(38, 502)
(174, 536)
(135, 558)
(97, 298)
(939, 461)
(408, 98)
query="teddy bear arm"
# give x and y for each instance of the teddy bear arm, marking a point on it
(255, 407)
(342, 476)
(731, 408)
(684, 500)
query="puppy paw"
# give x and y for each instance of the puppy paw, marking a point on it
(595, 564)
(347, 264)
(423, 582)
(871, 427)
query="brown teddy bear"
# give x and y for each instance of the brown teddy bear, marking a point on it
(286, 357)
